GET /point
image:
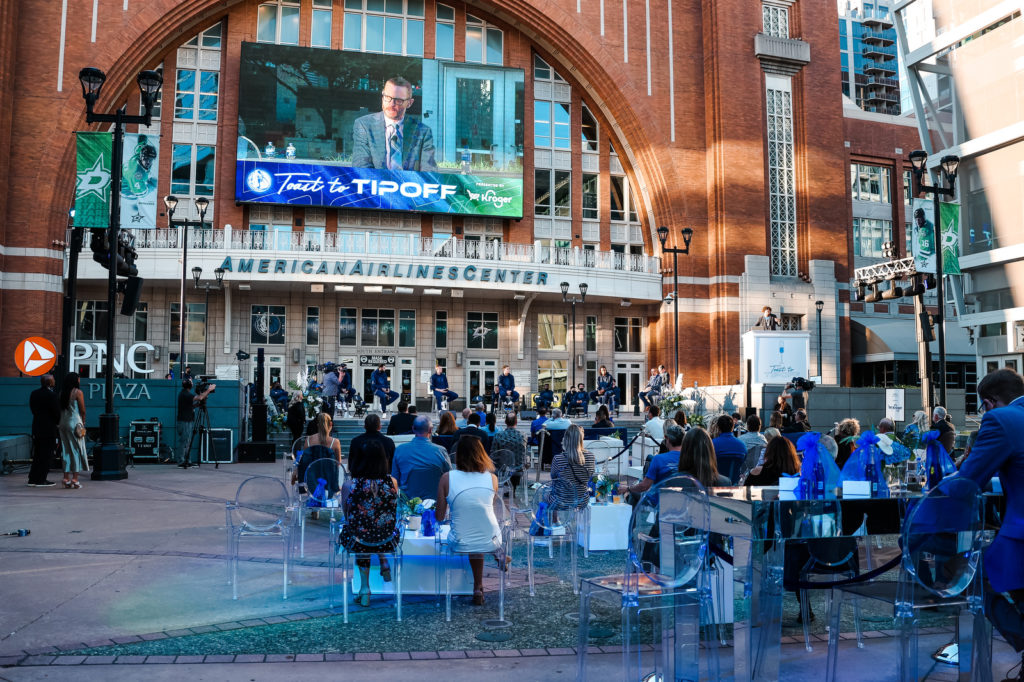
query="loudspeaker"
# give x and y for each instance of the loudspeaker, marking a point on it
(132, 293)
(259, 421)
(260, 388)
(254, 451)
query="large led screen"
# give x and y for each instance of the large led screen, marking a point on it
(354, 130)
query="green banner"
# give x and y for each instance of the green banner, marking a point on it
(923, 236)
(949, 221)
(92, 185)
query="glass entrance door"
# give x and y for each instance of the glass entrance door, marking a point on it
(405, 373)
(627, 378)
(482, 375)
(273, 371)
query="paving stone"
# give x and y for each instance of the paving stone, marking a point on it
(561, 651)
(153, 636)
(39, 651)
(38, 660)
(396, 656)
(309, 658)
(507, 653)
(229, 626)
(69, 660)
(159, 659)
(127, 640)
(451, 654)
(97, 643)
(616, 649)
(332, 658)
(320, 613)
(130, 659)
(219, 658)
(367, 657)
(253, 623)
(9, 660)
(280, 658)
(249, 658)
(297, 616)
(423, 655)
(184, 632)
(188, 659)
(203, 629)
(273, 620)
(98, 660)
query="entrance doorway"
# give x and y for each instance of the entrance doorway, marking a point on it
(273, 370)
(481, 376)
(628, 378)
(405, 380)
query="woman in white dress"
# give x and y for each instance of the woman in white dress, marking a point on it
(72, 430)
(474, 528)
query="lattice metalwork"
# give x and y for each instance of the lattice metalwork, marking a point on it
(776, 20)
(781, 183)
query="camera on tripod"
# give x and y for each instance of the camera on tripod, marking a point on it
(802, 384)
(205, 384)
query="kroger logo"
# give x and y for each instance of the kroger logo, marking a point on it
(259, 180)
(491, 197)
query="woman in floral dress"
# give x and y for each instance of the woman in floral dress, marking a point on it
(371, 511)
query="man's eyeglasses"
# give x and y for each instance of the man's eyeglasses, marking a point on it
(986, 405)
(388, 99)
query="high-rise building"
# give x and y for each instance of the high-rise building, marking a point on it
(867, 44)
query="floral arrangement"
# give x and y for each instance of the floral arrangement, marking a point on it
(414, 506)
(602, 486)
(312, 392)
(672, 401)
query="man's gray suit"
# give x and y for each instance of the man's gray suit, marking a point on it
(369, 142)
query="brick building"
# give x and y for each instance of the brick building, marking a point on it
(719, 116)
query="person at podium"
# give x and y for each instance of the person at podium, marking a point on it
(768, 321)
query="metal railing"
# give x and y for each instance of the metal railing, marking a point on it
(377, 244)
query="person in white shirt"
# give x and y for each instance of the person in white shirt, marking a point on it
(557, 421)
(655, 425)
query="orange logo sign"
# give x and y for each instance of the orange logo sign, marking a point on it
(35, 356)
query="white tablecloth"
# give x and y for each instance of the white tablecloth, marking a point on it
(609, 527)
(422, 570)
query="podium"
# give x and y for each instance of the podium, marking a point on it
(776, 356)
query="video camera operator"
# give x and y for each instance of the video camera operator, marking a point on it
(796, 389)
(187, 404)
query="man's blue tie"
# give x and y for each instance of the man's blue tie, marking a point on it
(394, 149)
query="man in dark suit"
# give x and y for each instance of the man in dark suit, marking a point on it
(45, 417)
(472, 428)
(372, 433)
(999, 451)
(381, 387)
(401, 422)
(389, 139)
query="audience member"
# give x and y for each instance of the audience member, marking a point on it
(655, 425)
(779, 458)
(572, 468)
(401, 421)
(371, 433)
(753, 440)
(846, 436)
(462, 422)
(419, 464)
(698, 459)
(492, 425)
(602, 418)
(681, 419)
(800, 423)
(725, 443)
(776, 421)
(509, 449)
(473, 429)
(947, 434)
(447, 426)
(557, 421)
(296, 419)
(663, 465)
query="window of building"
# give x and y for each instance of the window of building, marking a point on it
(192, 170)
(790, 322)
(278, 22)
(869, 183)
(553, 373)
(776, 20)
(346, 326)
(195, 323)
(588, 128)
(444, 32)
(91, 321)
(313, 326)
(552, 192)
(591, 375)
(542, 71)
(378, 328)
(627, 335)
(389, 26)
(195, 95)
(590, 333)
(407, 328)
(551, 124)
(589, 189)
(482, 330)
(781, 178)
(142, 322)
(484, 42)
(868, 236)
(552, 331)
(267, 324)
(622, 204)
(440, 329)
(320, 32)
(194, 360)
(993, 329)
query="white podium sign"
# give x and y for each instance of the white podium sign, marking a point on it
(894, 404)
(777, 356)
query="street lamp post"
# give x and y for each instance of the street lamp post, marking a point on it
(573, 300)
(675, 251)
(949, 165)
(819, 305)
(197, 272)
(171, 202)
(109, 463)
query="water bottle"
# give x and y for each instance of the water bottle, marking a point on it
(318, 494)
(869, 474)
(542, 513)
(428, 523)
(819, 480)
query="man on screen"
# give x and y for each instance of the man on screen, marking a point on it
(390, 139)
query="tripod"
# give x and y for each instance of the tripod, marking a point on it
(201, 427)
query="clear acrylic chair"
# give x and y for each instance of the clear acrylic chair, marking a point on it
(665, 590)
(554, 509)
(333, 474)
(348, 559)
(941, 541)
(465, 512)
(262, 508)
(290, 463)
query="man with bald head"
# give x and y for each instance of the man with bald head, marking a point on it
(45, 417)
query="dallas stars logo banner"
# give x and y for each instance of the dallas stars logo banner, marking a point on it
(138, 180)
(923, 236)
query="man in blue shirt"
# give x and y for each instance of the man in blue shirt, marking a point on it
(557, 421)
(662, 466)
(345, 390)
(999, 451)
(544, 398)
(538, 424)
(577, 400)
(507, 385)
(728, 449)
(419, 464)
(381, 387)
(439, 385)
